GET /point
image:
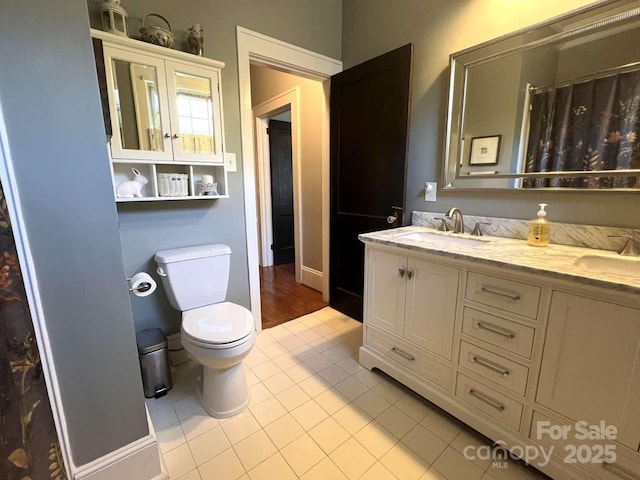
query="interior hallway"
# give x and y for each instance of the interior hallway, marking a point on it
(282, 299)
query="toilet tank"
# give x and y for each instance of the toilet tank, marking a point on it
(194, 276)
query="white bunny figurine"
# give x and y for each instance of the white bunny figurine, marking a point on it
(132, 188)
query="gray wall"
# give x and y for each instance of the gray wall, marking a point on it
(50, 102)
(491, 107)
(438, 28)
(586, 58)
(267, 83)
(145, 229)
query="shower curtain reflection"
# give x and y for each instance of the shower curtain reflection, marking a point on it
(588, 126)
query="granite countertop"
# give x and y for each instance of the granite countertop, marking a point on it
(553, 261)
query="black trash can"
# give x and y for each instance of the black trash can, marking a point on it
(153, 352)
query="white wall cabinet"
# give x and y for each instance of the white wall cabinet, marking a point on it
(503, 351)
(166, 119)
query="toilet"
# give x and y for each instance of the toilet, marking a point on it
(217, 334)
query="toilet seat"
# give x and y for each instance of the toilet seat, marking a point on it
(218, 326)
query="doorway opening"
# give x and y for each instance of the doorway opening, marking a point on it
(258, 49)
(288, 128)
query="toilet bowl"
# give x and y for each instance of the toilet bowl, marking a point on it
(218, 335)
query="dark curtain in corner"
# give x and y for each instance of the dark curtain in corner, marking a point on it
(29, 447)
(589, 126)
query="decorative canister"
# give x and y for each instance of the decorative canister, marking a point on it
(157, 35)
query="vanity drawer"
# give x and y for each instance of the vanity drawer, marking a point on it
(508, 295)
(500, 370)
(503, 333)
(410, 356)
(485, 399)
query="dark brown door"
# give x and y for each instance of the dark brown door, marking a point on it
(281, 191)
(369, 133)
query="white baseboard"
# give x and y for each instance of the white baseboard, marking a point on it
(140, 460)
(181, 356)
(311, 278)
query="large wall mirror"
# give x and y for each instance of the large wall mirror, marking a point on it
(554, 106)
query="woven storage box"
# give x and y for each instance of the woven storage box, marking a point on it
(173, 184)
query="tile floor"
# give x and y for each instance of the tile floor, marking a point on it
(316, 414)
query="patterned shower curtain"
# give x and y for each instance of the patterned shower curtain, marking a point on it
(589, 126)
(29, 447)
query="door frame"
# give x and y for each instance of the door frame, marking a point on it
(257, 48)
(261, 114)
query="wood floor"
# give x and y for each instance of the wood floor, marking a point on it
(282, 299)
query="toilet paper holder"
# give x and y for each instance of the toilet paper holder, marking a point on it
(141, 284)
(143, 287)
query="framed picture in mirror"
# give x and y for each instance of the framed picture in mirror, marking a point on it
(485, 150)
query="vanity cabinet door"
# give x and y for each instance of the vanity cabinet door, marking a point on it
(386, 287)
(195, 108)
(432, 291)
(591, 364)
(138, 105)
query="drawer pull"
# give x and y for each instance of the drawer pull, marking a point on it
(495, 329)
(403, 354)
(490, 291)
(619, 471)
(489, 401)
(491, 366)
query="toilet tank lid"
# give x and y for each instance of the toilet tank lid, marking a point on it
(191, 253)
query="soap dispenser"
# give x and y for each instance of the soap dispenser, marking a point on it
(539, 229)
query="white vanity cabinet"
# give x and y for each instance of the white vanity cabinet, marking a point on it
(499, 321)
(166, 119)
(507, 351)
(411, 311)
(591, 364)
(413, 299)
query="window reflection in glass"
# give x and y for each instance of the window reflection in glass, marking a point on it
(195, 113)
(137, 105)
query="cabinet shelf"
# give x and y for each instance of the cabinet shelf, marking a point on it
(122, 171)
(153, 199)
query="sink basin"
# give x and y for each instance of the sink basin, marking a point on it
(442, 239)
(619, 265)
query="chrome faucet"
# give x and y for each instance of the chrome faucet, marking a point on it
(458, 226)
(629, 249)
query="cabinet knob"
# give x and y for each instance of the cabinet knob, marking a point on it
(167, 135)
(175, 135)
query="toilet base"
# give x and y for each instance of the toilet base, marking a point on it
(223, 393)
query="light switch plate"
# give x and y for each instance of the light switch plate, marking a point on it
(430, 189)
(230, 162)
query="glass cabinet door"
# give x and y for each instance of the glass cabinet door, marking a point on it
(195, 113)
(138, 104)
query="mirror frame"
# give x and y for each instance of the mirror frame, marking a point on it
(602, 14)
